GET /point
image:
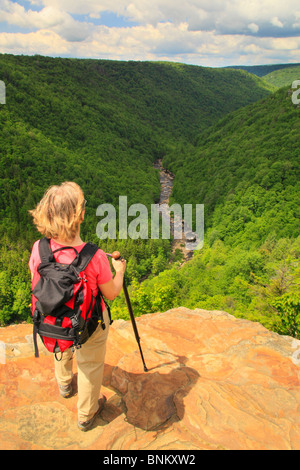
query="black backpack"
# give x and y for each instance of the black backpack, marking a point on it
(66, 312)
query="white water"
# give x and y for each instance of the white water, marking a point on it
(185, 237)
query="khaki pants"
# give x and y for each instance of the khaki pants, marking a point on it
(90, 364)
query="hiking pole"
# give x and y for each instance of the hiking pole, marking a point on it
(116, 255)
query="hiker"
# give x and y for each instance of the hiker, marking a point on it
(58, 217)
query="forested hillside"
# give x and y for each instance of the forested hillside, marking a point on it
(283, 77)
(104, 123)
(263, 70)
(246, 171)
(101, 124)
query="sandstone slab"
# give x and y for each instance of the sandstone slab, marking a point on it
(214, 382)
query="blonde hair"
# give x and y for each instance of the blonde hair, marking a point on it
(59, 213)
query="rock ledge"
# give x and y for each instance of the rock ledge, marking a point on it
(214, 382)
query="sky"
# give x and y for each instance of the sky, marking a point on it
(212, 33)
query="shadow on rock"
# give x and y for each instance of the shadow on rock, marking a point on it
(155, 398)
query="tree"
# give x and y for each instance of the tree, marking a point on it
(288, 309)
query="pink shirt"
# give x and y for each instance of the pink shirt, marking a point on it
(98, 270)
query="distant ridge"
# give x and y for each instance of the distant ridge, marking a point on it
(261, 70)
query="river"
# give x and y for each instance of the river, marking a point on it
(184, 239)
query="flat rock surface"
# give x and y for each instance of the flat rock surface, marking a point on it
(214, 382)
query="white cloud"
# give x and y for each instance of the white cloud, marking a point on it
(41, 42)
(87, 7)
(276, 22)
(218, 32)
(296, 24)
(199, 14)
(49, 18)
(253, 27)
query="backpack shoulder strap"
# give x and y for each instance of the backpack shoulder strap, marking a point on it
(45, 250)
(86, 255)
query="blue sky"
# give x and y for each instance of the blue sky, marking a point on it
(210, 33)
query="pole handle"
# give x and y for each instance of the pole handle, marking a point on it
(116, 255)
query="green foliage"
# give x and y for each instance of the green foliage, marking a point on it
(245, 170)
(263, 70)
(283, 77)
(102, 124)
(258, 284)
(15, 291)
(158, 294)
(288, 308)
